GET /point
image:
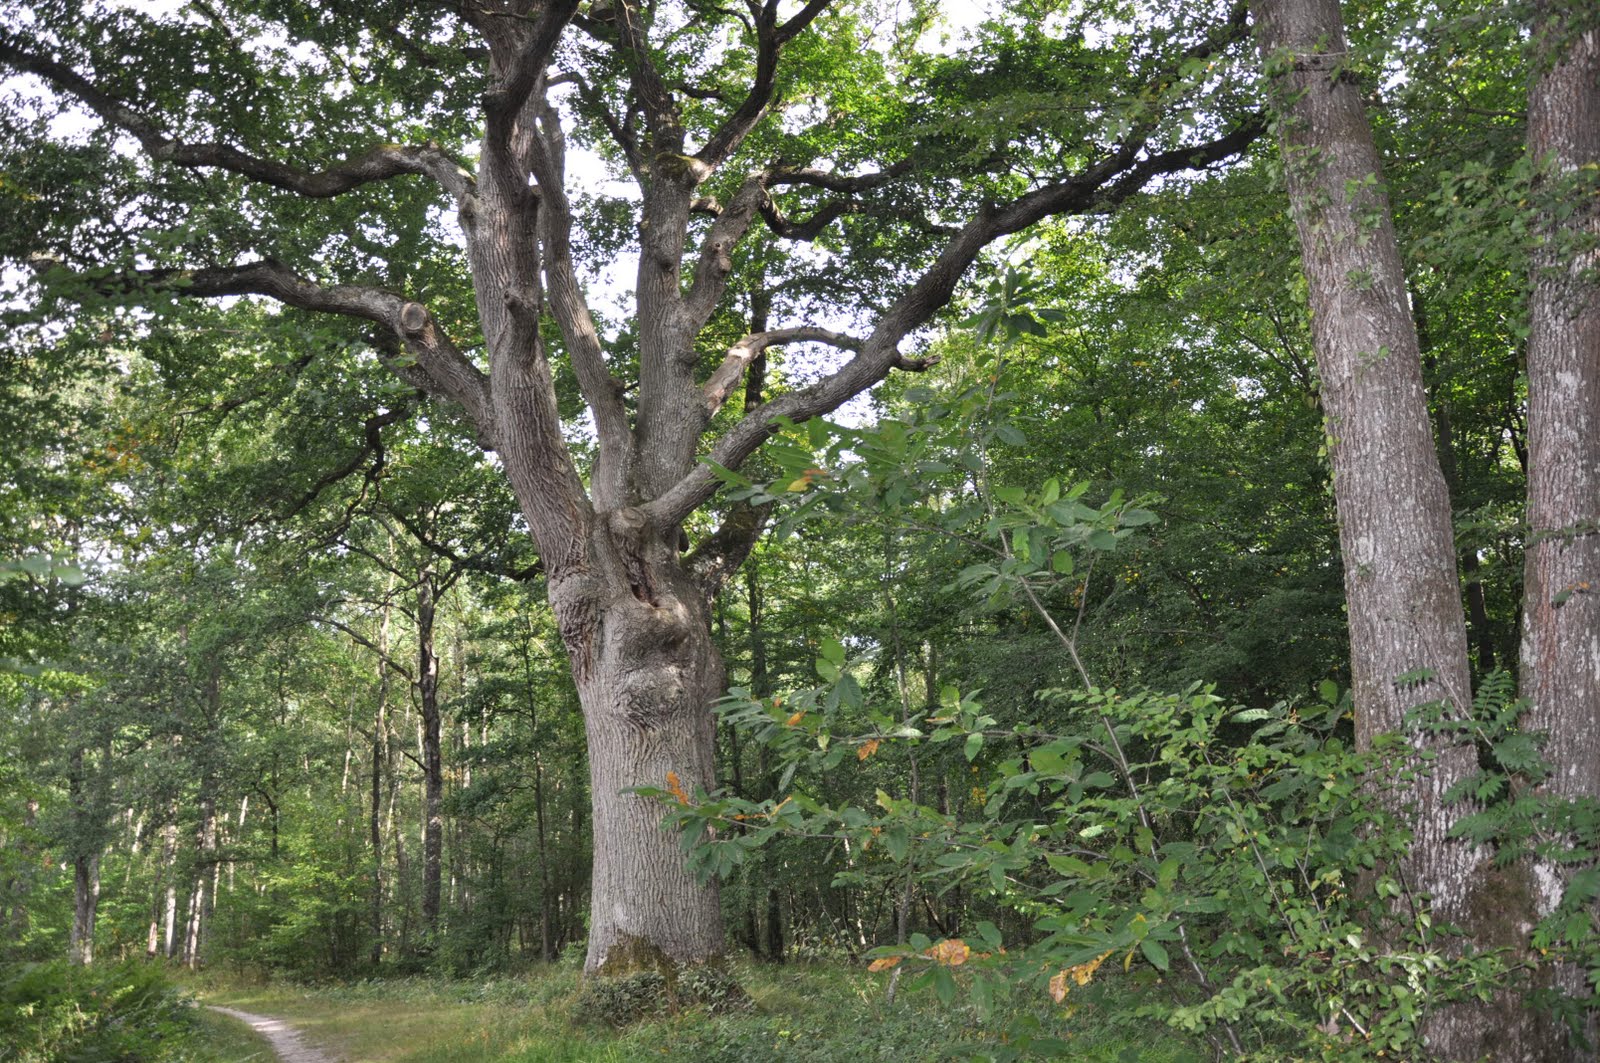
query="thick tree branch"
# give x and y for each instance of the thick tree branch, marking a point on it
(847, 184)
(809, 229)
(377, 164)
(660, 108)
(716, 251)
(727, 375)
(720, 554)
(770, 39)
(601, 391)
(484, 561)
(524, 71)
(371, 446)
(445, 371)
(1113, 179)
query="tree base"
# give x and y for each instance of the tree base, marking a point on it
(639, 981)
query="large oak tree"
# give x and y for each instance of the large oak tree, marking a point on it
(272, 148)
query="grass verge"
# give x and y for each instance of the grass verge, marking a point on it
(801, 1013)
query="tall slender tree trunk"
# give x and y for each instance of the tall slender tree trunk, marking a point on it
(1408, 641)
(380, 730)
(432, 760)
(1560, 673)
(200, 902)
(85, 907)
(169, 931)
(85, 849)
(164, 898)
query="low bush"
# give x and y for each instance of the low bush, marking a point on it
(58, 1013)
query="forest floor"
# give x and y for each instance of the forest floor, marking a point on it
(799, 1013)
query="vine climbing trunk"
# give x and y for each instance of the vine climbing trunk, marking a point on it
(1408, 639)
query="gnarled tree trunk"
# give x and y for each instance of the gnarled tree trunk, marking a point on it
(636, 626)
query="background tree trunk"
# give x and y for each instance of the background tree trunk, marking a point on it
(1408, 642)
(432, 760)
(199, 899)
(85, 907)
(1560, 664)
(380, 731)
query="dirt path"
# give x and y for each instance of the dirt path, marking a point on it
(285, 1041)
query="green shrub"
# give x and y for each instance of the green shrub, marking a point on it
(1230, 867)
(58, 1013)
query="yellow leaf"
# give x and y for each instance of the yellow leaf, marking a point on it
(950, 953)
(1081, 975)
(883, 964)
(676, 787)
(1084, 972)
(794, 721)
(869, 747)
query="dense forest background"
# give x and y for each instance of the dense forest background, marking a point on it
(281, 689)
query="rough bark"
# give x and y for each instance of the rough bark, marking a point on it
(639, 636)
(1560, 660)
(85, 850)
(85, 907)
(1408, 640)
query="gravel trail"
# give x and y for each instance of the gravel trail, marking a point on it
(285, 1041)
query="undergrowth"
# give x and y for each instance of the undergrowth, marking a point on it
(800, 1013)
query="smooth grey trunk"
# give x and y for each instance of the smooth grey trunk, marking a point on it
(164, 898)
(170, 915)
(1408, 640)
(1560, 660)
